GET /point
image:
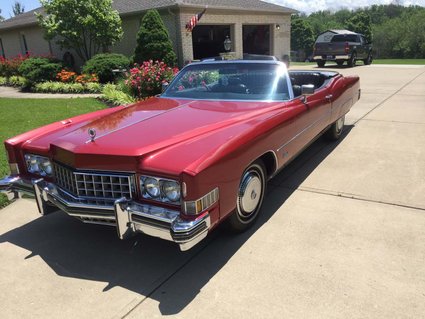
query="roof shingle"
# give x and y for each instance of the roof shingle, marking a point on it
(133, 6)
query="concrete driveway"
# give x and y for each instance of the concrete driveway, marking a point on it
(342, 235)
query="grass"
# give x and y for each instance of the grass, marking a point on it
(21, 115)
(377, 61)
(399, 61)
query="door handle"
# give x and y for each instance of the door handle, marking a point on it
(329, 96)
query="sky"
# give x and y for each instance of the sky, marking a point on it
(306, 6)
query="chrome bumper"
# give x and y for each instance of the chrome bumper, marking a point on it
(128, 216)
(331, 57)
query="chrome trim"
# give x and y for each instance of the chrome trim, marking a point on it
(5, 183)
(122, 219)
(159, 222)
(328, 114)
(15, 183)
(126, 215)
(94, 185)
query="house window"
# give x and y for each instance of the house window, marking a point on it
(24, 44)
(2, 49)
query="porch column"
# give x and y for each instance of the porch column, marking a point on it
(237, 39)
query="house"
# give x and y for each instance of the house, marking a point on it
(253, 26)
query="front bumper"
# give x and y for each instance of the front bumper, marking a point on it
(128, 216)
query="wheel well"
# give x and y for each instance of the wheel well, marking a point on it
(270, 162)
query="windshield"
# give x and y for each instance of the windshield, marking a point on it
(231, 81)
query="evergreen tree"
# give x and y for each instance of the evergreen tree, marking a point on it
(18, 8)
(153, 42)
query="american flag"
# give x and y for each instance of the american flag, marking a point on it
(194, 20)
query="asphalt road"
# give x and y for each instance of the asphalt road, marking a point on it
(342, 235)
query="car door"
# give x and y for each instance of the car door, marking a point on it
(310, 117)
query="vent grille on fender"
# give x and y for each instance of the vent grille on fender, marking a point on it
(95, 185)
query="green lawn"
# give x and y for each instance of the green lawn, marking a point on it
(21, 115)
(377, 61)
(399, 61)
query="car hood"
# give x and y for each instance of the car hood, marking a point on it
(149, 126)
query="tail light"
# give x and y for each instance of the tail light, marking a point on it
(347, 48)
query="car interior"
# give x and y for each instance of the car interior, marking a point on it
(317, 79)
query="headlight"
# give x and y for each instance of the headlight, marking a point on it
(160, 189)
(38, 165)
(152, 187)
(171, 190)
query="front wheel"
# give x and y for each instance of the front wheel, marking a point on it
(368, 60)
(335, 130)
(249, 198)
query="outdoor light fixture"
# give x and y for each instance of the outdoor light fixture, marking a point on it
(277, 26)
(227, 44)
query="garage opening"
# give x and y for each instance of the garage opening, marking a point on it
(208, 40)
(256, 39)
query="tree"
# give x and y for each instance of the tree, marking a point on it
(1, 17)
(18, 8)
(302, 37)
(153, 42)
(85, 26)
(360, 23)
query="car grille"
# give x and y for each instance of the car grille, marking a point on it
(94, 185)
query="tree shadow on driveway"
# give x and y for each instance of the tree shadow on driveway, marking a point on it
(148, 266)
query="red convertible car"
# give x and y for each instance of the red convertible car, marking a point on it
(177, 165)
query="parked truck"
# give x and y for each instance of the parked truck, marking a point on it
(342, 46)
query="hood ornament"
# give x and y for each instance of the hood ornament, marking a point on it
(92, 133)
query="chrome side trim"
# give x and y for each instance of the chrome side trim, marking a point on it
(328, 114)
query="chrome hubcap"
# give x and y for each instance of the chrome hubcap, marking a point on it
(249, 195)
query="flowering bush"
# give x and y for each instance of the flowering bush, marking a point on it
(66, 76)
(87, 78)
(9, 67)
(147, 79)
(71, 77)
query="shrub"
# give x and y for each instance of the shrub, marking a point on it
(114, 96)
(60, 87)
(10, 67)
(39, 69)
(93, 87)
(153, 42)
(18, 81)
(3, 80)
(103, 64)
(146, 80)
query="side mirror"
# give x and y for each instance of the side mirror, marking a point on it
(164, 86)
(307, 89)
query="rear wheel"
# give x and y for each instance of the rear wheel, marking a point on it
(321, 63)
(352, 61)
(249, 198)
(334, 132)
